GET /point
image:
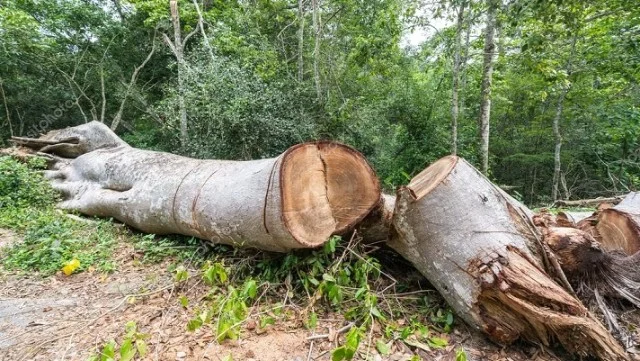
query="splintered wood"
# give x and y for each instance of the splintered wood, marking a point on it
(480, 249)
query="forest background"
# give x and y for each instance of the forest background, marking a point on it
(543, 96)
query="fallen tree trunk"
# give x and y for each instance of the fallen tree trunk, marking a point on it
(296, 200)
(478, 247)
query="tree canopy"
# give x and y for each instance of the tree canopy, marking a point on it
(255, 77)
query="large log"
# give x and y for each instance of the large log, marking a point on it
(478, 247)
(296, 200)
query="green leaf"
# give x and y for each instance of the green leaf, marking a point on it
(265, 321)
(437, 342)
(360, 292)
(229, 357)
(461, 355)
(141, 346)
(184, 301)
(405, 332)
(194, 324)
(383, 348)
(376, 312)
(313, 320)
(327, 277)
(181, 274)
(339, 354)
(108, 352)
(127, 351)
(250, 289)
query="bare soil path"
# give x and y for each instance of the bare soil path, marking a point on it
(70, 317)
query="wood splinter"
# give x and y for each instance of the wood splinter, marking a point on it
(475, 245)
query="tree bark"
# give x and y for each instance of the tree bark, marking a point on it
(485, 93)
(205, 38)
(557, 165)
(296, 200)
(317, 26)
(179, 53)
(477, 246)
(300, 40)
(455, 83)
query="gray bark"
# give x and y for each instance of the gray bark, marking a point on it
(177, 47)
(300, 40)
(557, 165)
(296, 200)
(485, 93)
(475, 245)
(317, 26)
(456, 80)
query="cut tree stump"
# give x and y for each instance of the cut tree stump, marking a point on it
(296, 200)
(618, 228)
(477, 246)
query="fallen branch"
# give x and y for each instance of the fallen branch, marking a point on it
(587, 202)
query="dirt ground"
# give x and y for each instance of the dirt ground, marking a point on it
(70, 317)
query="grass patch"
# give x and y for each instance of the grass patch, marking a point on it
(51, 239)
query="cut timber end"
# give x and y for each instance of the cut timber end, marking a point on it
(619, 230)
(326, 189)
(431, 177)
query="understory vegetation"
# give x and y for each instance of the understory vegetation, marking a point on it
(368, 286)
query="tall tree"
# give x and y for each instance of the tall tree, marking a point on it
(300, 40)
(317, 28)
(485, 93)
(455, 83)
(557, 165)
(177, 47)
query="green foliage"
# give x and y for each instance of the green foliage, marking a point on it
(348, 350)
(22, 186)
(51, 239)
(236, 114)
(265, 88)
(133, 345)
(155, 248)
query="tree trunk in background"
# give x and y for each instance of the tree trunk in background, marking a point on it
(557, 165)
(317, 26)
(296, 200)
(205, 38)
(485, 93)
(179, 53)
(300, 40)
(6, 108)
(477, 246)
(456, 81)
